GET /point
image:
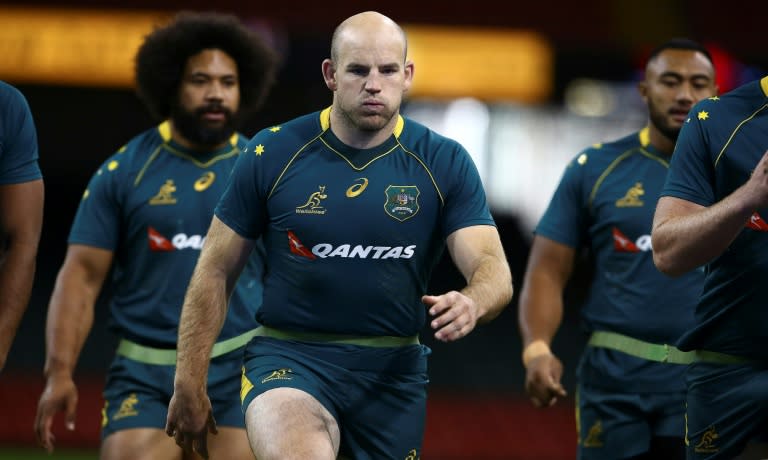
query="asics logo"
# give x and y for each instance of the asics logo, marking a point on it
(357, 189)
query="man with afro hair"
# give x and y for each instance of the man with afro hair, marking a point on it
(144, 218)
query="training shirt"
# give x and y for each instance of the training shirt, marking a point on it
(605, 202)
(151, 203)
(722, 142)
(18, 138)
(351, 235)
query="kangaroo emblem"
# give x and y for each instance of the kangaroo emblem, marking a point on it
(314, 199)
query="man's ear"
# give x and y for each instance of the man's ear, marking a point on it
(329, 74)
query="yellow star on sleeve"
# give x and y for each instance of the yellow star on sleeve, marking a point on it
(703, 115)
(274, 129)
(259, 150)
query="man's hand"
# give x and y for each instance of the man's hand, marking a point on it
(542, 380)
(190, 419)
(59, 395)
(455, 315)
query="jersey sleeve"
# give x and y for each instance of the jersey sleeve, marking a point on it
(466, 203)
(18, 142)
(242, 206)
(565, 219)
(691, 171)
(98, 218)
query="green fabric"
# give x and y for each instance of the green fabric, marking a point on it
(167, 357)
(378, 341)
(662, 353)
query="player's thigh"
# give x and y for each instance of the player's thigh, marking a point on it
(139, 444)
(290, 424)
(727, 409)
(229, 444)
(611, 425)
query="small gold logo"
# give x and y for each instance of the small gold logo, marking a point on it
(413, 454)
(165, 195)
(312, 206)
(127, 407)
(104, 419)
(707, 443)
(593, 437)
(632, 197)
(205, 181)
(280, 374)
(357, 189)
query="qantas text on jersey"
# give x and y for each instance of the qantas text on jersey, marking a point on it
(157, 242)
(363, 252)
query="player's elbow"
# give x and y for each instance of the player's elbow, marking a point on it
(665, 264)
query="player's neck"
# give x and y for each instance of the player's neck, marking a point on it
(180, 139)
(359, 139)
(659, 141)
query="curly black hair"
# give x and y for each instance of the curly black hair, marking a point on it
(161, 59)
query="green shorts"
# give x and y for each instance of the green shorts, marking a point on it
(377, 395)
(727, 408)
(137, 394)
(616, 425)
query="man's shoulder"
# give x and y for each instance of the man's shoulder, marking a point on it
(601, 154)
(423, 140)
(292, 134)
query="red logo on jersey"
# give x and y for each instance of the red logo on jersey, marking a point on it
(158, 242)
(623, 244)
(756, 222)
(298, 248)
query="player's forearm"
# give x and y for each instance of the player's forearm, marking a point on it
(17, 272)
(490, 287)
(682, 243)
(540, 310)
(69, 321)
(202, 317)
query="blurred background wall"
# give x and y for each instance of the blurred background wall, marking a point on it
(523, 85)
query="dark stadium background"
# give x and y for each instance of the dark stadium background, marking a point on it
(477, 410)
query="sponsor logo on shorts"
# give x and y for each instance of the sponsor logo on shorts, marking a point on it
(313, 204)
(402, 201)
(280, 374)
(621, 243)
(632, 198)
(165, 194)
(159, 243)
(706, 444)
(593, 438)
(127, 407)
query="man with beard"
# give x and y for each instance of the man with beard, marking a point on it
(631, 392)
(355, 204)
(144, 216)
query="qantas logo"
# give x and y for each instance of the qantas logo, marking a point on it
(348, 251)
(756, 222)
(159, 243)
(623, 244)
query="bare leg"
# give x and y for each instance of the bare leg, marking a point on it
(229, 444)
(289, 424)
(139, 444)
